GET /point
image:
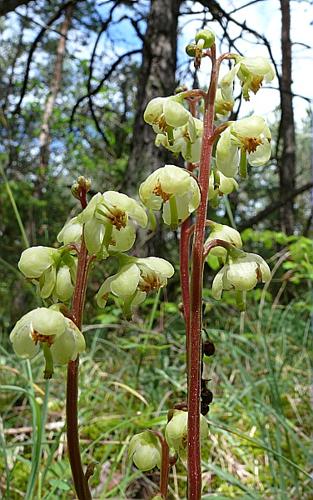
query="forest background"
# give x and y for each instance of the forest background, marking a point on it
(75, 77)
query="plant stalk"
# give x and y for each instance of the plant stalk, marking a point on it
(194, 365)
(80, 481)
(165, 465)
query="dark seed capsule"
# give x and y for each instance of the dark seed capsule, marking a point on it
(206, 396)
(208, 348)
(204, 409)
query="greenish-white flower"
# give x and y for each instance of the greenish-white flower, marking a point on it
(145, 450)
(108, 222)
(67, 346)
(220, 185)
(242, 272)
(53, 270)
(35, 261)
(71, 232)
(251, 137)
(223, 106)
(173, 188)
(252, 72)
(43, 325)
(185, 140)
(165, 112)
(224, 233)
(176, 432)
(64, 284)
(134, 280)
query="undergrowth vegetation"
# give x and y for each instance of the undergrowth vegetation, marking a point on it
(260, 424)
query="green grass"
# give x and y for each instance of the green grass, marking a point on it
(260, 420)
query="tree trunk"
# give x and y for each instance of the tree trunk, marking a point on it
(44, 137)
(156, 78)
(287, 160)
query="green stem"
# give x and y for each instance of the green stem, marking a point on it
(15, 209)
(243, 165)
(174, 213)
(107, 235)
(48, 372)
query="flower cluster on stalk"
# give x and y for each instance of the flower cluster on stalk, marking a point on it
(106, 228)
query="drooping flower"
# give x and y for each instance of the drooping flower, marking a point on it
(134, 280)
(250, 137)
(165, 112)
(35, 261)
(43, 325)
(222, 106)
(252, 72)
(224, 233)
(185, 140)
(176, 432)
(53, 270)
(71, 232)
(145, 450)
(108, 225)
(220, 185)
(175, 189)
(242, 272)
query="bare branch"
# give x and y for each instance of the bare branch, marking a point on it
(33, 48)
(275, 206)
(96, 89)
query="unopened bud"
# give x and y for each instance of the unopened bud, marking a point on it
(207, 36)
(145, 450)
(191, 49)
(81, 185)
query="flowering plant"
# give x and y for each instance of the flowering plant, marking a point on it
(215, 153)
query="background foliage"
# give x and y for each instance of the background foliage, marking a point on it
(132, 373)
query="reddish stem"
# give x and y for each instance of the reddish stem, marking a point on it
(165, 465)
(184, 252)
(194, 368)
(80, 481)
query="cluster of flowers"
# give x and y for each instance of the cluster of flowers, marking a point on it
(108, 223)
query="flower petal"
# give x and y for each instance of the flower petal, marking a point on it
(227, 155)
(126, 281)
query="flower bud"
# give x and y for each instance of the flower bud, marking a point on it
(64, 287)
(145, 451)
(207, 36)
(71, 232)
(219, 185)
(81, 185)
(176, 431)
(191, 49)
